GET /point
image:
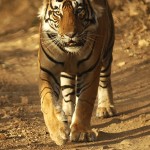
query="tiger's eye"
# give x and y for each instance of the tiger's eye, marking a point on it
(57, 12)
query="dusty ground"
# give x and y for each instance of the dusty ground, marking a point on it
(21, 122)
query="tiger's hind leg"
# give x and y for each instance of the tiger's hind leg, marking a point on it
(105, 95)
(68, 93)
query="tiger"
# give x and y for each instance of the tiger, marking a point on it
(75, 57)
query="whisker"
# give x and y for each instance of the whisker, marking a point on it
(48, 32)
(90, 45)
(94, 34)
(90, 39)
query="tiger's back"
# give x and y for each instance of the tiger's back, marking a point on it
(76, 42)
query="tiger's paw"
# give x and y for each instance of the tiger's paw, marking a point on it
(105, 112)
(60, 133)
(82, 136)
(59, 130)
(56, 123)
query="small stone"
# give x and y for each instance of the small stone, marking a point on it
(105, 147)
(143, 43)
(126, 142)
(19, 135)
(131, 54)
(121, 64)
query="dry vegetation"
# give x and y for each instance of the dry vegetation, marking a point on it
(21, 122)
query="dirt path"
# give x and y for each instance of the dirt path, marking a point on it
(21, 122)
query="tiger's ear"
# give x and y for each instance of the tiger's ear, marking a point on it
(97, 7)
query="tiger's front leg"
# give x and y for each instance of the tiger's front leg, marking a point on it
(68, 93)
(105, 106)
(87, 85)
(54, 116)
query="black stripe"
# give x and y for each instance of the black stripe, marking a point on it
(50, 88)
(56, 94)
(51, 74)
(46, 94)
(51, 6)
(72, 93)
(78, 94)
(50, 58)
(67, 101)
(105, 76)
(49, 19)
(78, 91)
(59, 45)
(103, 86)
(54, 21)
(45, 13)
(50, 83)
(112, 37)
(91, 10)
(90, 69)
(83, 60)
(109, 49)
(107, 67)
(80, 87)
(104, 81)
(68, 77)
(51, 26)
(83, 88)
(44, 89)
(51, 93)
(67, 87)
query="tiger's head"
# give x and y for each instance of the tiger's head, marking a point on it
(68, 22)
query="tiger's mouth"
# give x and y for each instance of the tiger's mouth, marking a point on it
(73, 46)
(72, 43)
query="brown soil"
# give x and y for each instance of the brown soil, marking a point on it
(21, 122)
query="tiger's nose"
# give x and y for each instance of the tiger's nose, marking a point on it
(70, 34)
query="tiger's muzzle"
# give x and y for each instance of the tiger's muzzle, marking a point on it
(69, 27)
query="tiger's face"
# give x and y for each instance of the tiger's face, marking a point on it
(68, 22)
